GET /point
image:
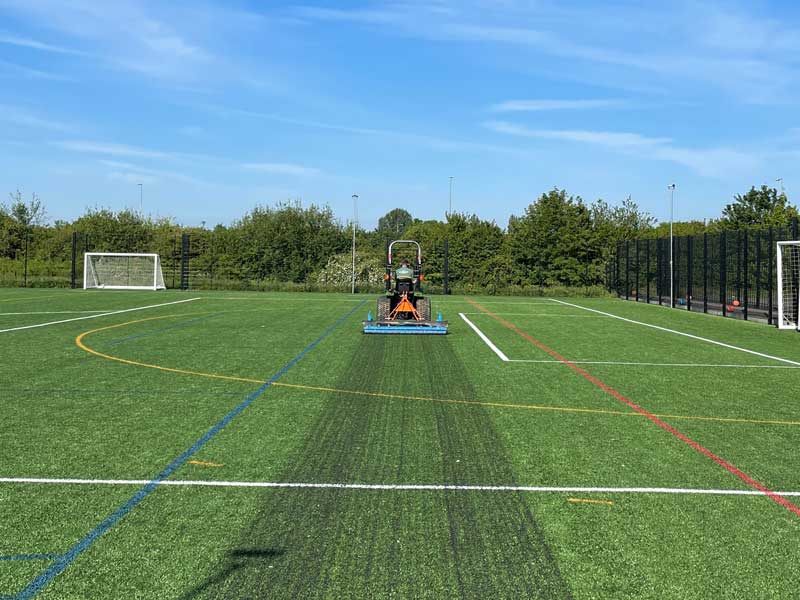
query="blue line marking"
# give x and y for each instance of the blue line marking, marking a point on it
(30, 557)
(66, 559)
(162, 329)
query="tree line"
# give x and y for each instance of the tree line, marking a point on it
(559, 243)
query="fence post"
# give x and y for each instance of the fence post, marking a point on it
(705, 272)
(174, 258)
(636, 280)
(185, 261)
(211, 251)
(676, 259)
(689, 272)
(771, 263)
(74, 257)
(745, 256)
(627, 269)
(738, 265)
(659, 269)
(647, 266)
(723, 271)
(446, 285)
(25, 269)
(758, 268)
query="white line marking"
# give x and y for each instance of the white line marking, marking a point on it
(649, 364)
(116, 312)
(51, 312)
(394, 486)
(489, 343)
(279, 298)
(567, 315)
(689, 335)
(529, 303)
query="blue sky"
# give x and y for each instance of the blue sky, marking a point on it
(218, 106)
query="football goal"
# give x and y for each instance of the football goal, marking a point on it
(788, 284)
(122, 271)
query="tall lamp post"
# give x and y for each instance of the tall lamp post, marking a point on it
(780, 180)
(141, 204)
(355, 218)
(671, 188)
(450, 203)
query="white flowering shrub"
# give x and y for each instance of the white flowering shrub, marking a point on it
(339, 271)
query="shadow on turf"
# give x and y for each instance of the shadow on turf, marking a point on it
(235, 560)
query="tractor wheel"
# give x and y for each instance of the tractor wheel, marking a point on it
(384, 308)
(424, 308)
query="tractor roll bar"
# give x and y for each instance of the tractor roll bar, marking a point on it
(419, 249)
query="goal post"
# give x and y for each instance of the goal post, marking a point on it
(122, 271)
(789, 285)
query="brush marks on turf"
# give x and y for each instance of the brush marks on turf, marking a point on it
(328, 542)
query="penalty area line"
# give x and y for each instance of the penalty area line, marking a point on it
(650, 364)
(684, 334)
(433, 487)
(106, 314)
(481, 335)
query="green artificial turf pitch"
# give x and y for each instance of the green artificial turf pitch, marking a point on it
(113, 400)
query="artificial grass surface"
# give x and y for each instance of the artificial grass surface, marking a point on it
(71, 414)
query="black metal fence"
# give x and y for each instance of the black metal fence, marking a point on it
(732, 273)
(196, 261)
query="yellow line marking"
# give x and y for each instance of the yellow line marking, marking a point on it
(588, 501)
(449, 401)
(535, 407)
(204, 464)
(80, 344)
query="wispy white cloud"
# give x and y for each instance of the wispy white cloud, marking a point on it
(282, 169)
(710, 162)
(545, 105)
(173, 44)
(17, 115)
(22, 42)
(431, 141)
(738, 51)
(112, 149)
(32, 73)
(379, 16)
(605, 138)
(132, 178)
(132, 173)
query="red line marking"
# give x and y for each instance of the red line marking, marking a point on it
(684, 438)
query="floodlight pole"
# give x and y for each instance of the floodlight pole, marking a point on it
(671, 188)
(141, 204)
(780, 180)
(355, 217)
(450, 203)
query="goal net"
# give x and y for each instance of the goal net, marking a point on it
(788, 284)
(122, 271)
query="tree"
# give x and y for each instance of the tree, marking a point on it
(553, 242)
(763, 207)
(27, 215)
(122, 231)
(394, 223)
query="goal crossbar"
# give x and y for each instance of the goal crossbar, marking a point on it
(788, 257)
(122, 271)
